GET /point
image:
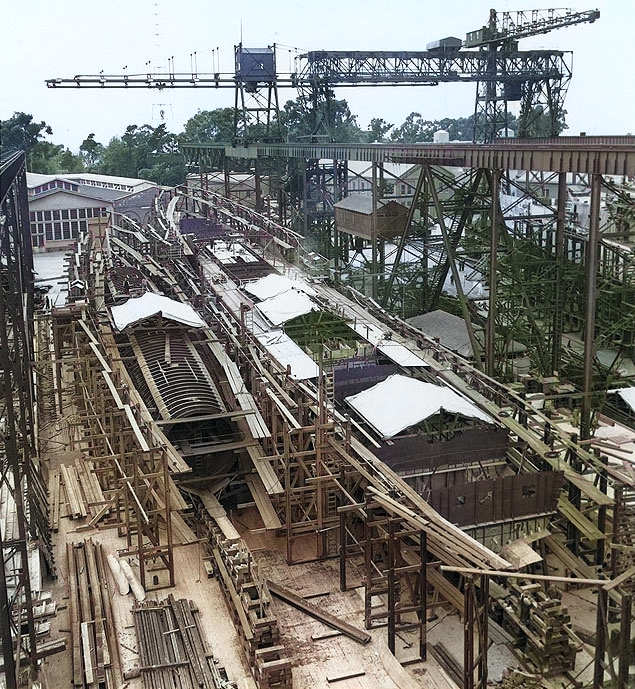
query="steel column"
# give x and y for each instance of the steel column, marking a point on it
(592, 262)
(490, 350)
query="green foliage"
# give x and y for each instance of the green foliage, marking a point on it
(210, 126)
(377, 130)
(326, 119)
(69, 162)
(21, 133)
(153, 152)
(415, 129)
(539, 123)
(148, 152)
(91, 152)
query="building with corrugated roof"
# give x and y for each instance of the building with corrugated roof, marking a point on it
(61, 205)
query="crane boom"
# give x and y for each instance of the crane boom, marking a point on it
(156, 80)
(504, 27)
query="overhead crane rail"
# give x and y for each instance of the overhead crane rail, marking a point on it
(611, 155)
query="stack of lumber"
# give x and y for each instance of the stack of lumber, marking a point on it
(94, 648)
(249, 603)
(539, 623)
(172, 649)
(44, 607)
(77, 486)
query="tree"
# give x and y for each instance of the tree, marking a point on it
(320, 117)
(44, 158)
(69, 162)
(210, 126)
(538, 122)
(377, 130)
(416, 129)
(151, 152)
(412, 130)
(91, 152)
(21, 133)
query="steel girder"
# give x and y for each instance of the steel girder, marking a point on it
(341, 67)
(19, 476)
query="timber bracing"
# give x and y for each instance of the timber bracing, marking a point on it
(131, 469)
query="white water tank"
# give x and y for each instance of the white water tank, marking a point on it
(441, 137)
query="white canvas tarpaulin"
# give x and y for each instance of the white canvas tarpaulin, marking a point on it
(285, 306)
(393, 350)
(151, 304)
(287, 353)
(399, 402)
(273, 284)
(628, 395)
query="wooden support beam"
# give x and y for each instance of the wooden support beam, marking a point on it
(523, 575)
(349, 675)
(321, 615)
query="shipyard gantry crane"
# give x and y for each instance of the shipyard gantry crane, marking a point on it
(538, 79)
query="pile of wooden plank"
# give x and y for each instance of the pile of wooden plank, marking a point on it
(76, 486)
(172, 649)
(94, 648)
(249, 603)
(539, 622)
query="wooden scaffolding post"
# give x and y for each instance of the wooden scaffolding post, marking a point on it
(475, 640)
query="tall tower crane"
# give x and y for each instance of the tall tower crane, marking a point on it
(498, 40)
(537, 78)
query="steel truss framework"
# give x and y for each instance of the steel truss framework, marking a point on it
(543, 278)
(21, 484)
(538, 79)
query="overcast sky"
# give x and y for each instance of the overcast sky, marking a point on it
(42, 39)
